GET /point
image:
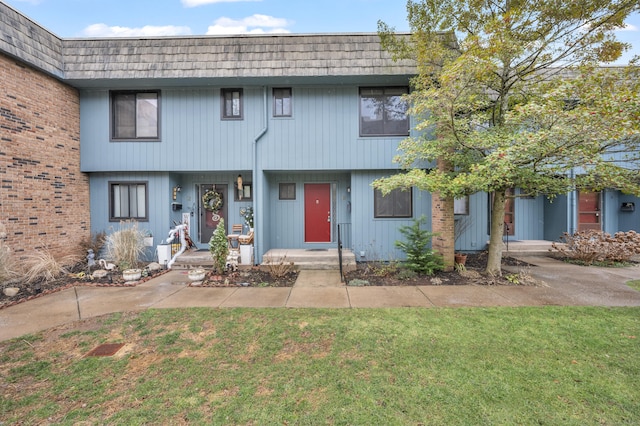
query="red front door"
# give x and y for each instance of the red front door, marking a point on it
(317, 213)
(589, 211)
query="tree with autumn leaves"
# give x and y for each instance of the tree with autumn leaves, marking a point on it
(512, 94)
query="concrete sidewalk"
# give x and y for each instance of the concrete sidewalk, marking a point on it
(566, 285)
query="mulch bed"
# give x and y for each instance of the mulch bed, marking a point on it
(374, 274)
(381, 274)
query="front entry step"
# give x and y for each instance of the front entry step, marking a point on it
(311, 259)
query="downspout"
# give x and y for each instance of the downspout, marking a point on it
(256, 182)
(572, 207)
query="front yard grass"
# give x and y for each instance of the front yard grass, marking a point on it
(634, 284)
(544, 366)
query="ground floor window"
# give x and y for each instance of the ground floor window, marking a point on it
(396, 204)
(128, 200)
(287, 191)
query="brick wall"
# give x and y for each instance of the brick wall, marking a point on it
(44, 199)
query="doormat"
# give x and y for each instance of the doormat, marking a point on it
(317, 249)
(106, 349)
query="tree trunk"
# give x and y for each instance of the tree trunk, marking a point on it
(494, 260)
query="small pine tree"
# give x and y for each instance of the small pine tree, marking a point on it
(219, 248)
(420, 257)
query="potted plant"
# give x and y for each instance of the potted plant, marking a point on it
(461, 224)
(247, 215)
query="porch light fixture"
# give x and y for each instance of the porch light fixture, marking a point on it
(176, 189)
(240, 187)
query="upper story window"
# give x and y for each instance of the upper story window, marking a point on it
(282, 102)
(135, 115)
(383, 112)
(128, 200)
(396, 204)
(232, 104)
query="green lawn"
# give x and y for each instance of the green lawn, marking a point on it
(634, 284)
(543, 366)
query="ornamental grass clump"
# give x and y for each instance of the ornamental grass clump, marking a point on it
(7, 262)
(45, 265)
(420, 257)
(278, 267)
(592, 246)
(125, 246)
(219, 248)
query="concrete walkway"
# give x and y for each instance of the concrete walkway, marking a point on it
(566, 285)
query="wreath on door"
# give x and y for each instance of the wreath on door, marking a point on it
(212, 200)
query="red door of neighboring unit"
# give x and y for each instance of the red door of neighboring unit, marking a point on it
(317, 213)
(589, 214)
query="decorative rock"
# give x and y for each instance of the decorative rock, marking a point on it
(99, 273)
(11, 291)
(154, 266)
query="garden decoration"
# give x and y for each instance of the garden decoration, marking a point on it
(91, 262)
(107, 266)
(212, 201)
(182, 232)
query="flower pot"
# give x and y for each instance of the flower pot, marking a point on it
(132, 274)
(460, 258)
(196, 274)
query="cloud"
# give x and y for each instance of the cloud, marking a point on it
(102, 30)
(196, 3)
(254, 24)
(628, 27)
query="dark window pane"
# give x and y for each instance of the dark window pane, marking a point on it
(124, 117)
(135, 115)
(397, 203)
(287, 191)
(383, 112)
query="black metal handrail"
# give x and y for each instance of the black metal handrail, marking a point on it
(341, 227)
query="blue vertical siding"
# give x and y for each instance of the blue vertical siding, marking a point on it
(376, 237)
(193, 137)
(555, 218)
(159, 193)
(285, 218)
(627, 221)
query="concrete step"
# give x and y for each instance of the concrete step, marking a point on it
(526, 248)
(316, 259)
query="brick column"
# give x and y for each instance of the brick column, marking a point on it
(443, 223)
